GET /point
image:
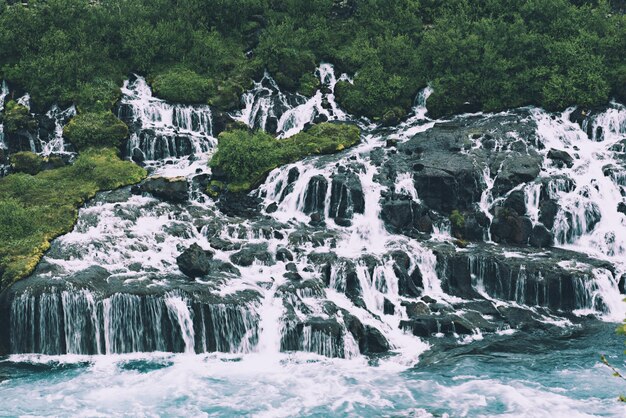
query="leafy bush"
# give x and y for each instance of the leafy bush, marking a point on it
(183, 86)
(17, 117)
(244, 158)
(478, 55)
(95, 129)
(26, 162)
(36, 209)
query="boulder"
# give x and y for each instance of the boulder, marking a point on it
(346, 196)
(195, 261)
(315, 195)
(510, 228)
(251, 253)
(171, 189)
(540, 237)
(560, 158)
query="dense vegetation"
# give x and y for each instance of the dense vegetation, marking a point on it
(36, 209)
(478, 54)
(244, 158)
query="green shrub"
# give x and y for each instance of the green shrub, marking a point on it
(457, 219)
(17, 117)
(183, 86)
(36, 209)
(96, 96)
(244, 158)
(26, 162)
(96, 129)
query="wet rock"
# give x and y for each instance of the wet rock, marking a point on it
(560, 158)
(516, 169)
(171, 189)
(346, 197)
(195, 261)
(388, 307)
(224, 245)
(373, 341)
(271, 208)
(621, 207)
(428, 325)
(138, 156)
(510, 228)
(415, 309)
(516, 201)
(239, 205)
(283, 254)
(406, 217)
(251, 253)
(548, 209)
(315, 195)
(540, 237)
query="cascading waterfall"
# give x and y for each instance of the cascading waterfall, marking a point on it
(270, 109)
(161, 130)
(54, 143)
(321, 273)
(78, 322)
(589, 193)
(4, 92)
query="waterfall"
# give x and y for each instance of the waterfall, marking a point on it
(270, 109)
(161, 130)
(79, 322)
(54, 143)
(4, 92)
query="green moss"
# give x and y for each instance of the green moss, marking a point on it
(244, 158)
(36, 209)
(183, 86)
(96, 129)
(457, 219)
(26, 162)
(17, 117)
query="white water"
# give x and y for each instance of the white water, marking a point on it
(165, 130)
(255, 377)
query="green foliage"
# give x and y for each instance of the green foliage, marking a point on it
(26, 162)
(182, 85)
(457, 219)
(17, 117)
(478, 55)
(36, 209)
(95, 129)
(244, 158)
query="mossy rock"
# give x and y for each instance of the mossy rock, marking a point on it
(96, 129)
(34, 209)
(244, 158)
(26, 162)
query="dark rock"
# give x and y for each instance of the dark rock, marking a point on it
(173, 189)
(388, 307)
(315, 194)
(516, 169)
(414, 309)
(560, 158)
(373, 341)
(195, 261)
(540, 237)
(246, 256)
(271, 208)
(224, 245)
(621, 207)
(516, 201)
(346, 196)
(283, 254)
(548, 209)
(510, 228)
